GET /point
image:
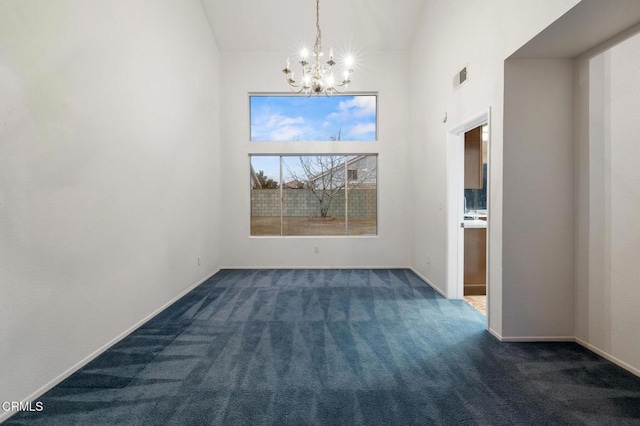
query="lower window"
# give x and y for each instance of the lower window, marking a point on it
(314, 195)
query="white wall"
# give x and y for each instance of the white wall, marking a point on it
(609, 229)
(453, 34)
(111, 178)
(385, 73)
(538, 221)
(109, 148)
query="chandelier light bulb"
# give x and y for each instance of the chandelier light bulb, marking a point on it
(317, 76)
(348, 61)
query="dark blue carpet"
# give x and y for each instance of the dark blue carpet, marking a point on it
(334, 347)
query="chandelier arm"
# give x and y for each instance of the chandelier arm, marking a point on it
(294, 85)
(296, 88)
(337, 88)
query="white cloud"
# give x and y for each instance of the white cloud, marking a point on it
(288, 133)
(277, 127)
(278, 120)
(363, 128)
(359, 106)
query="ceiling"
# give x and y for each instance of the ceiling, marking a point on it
(588, 24)
(281, 25)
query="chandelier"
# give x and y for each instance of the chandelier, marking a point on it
(318, 77)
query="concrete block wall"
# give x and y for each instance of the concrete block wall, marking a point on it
(265, 202)
(302, 203)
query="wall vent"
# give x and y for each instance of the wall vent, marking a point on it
(460, 77)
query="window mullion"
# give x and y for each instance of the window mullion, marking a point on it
(346, 195)
(281, 200)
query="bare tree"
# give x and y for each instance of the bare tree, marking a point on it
(322, 175)
(325, 176)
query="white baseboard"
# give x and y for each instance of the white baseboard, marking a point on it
(4, 415)
(423, 278)
(608, 356)
(495, 334)
(533, 339)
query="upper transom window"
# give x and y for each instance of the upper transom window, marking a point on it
(288, 118)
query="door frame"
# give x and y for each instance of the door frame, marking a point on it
(455, 203)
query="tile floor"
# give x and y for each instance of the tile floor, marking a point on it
(478, 302)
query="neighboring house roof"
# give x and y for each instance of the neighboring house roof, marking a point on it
(364, 180)
(294, 184)
(341, 166)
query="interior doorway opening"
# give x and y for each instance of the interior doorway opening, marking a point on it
(475, 217)
(468, 212)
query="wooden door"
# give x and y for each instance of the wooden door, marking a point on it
(473, 159)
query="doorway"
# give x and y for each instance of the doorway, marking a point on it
(468, 186)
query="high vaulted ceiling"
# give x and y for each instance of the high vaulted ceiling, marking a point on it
(280, 25)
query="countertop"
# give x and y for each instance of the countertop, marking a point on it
(475, 219)
(475, 223)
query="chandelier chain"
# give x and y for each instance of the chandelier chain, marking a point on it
(318, 46)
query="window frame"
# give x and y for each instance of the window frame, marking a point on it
(319, 147)
(346, 195)
(376, 95)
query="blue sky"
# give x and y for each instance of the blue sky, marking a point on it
(298, 118)
(268, 164)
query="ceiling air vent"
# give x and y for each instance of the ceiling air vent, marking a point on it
(460, 77)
